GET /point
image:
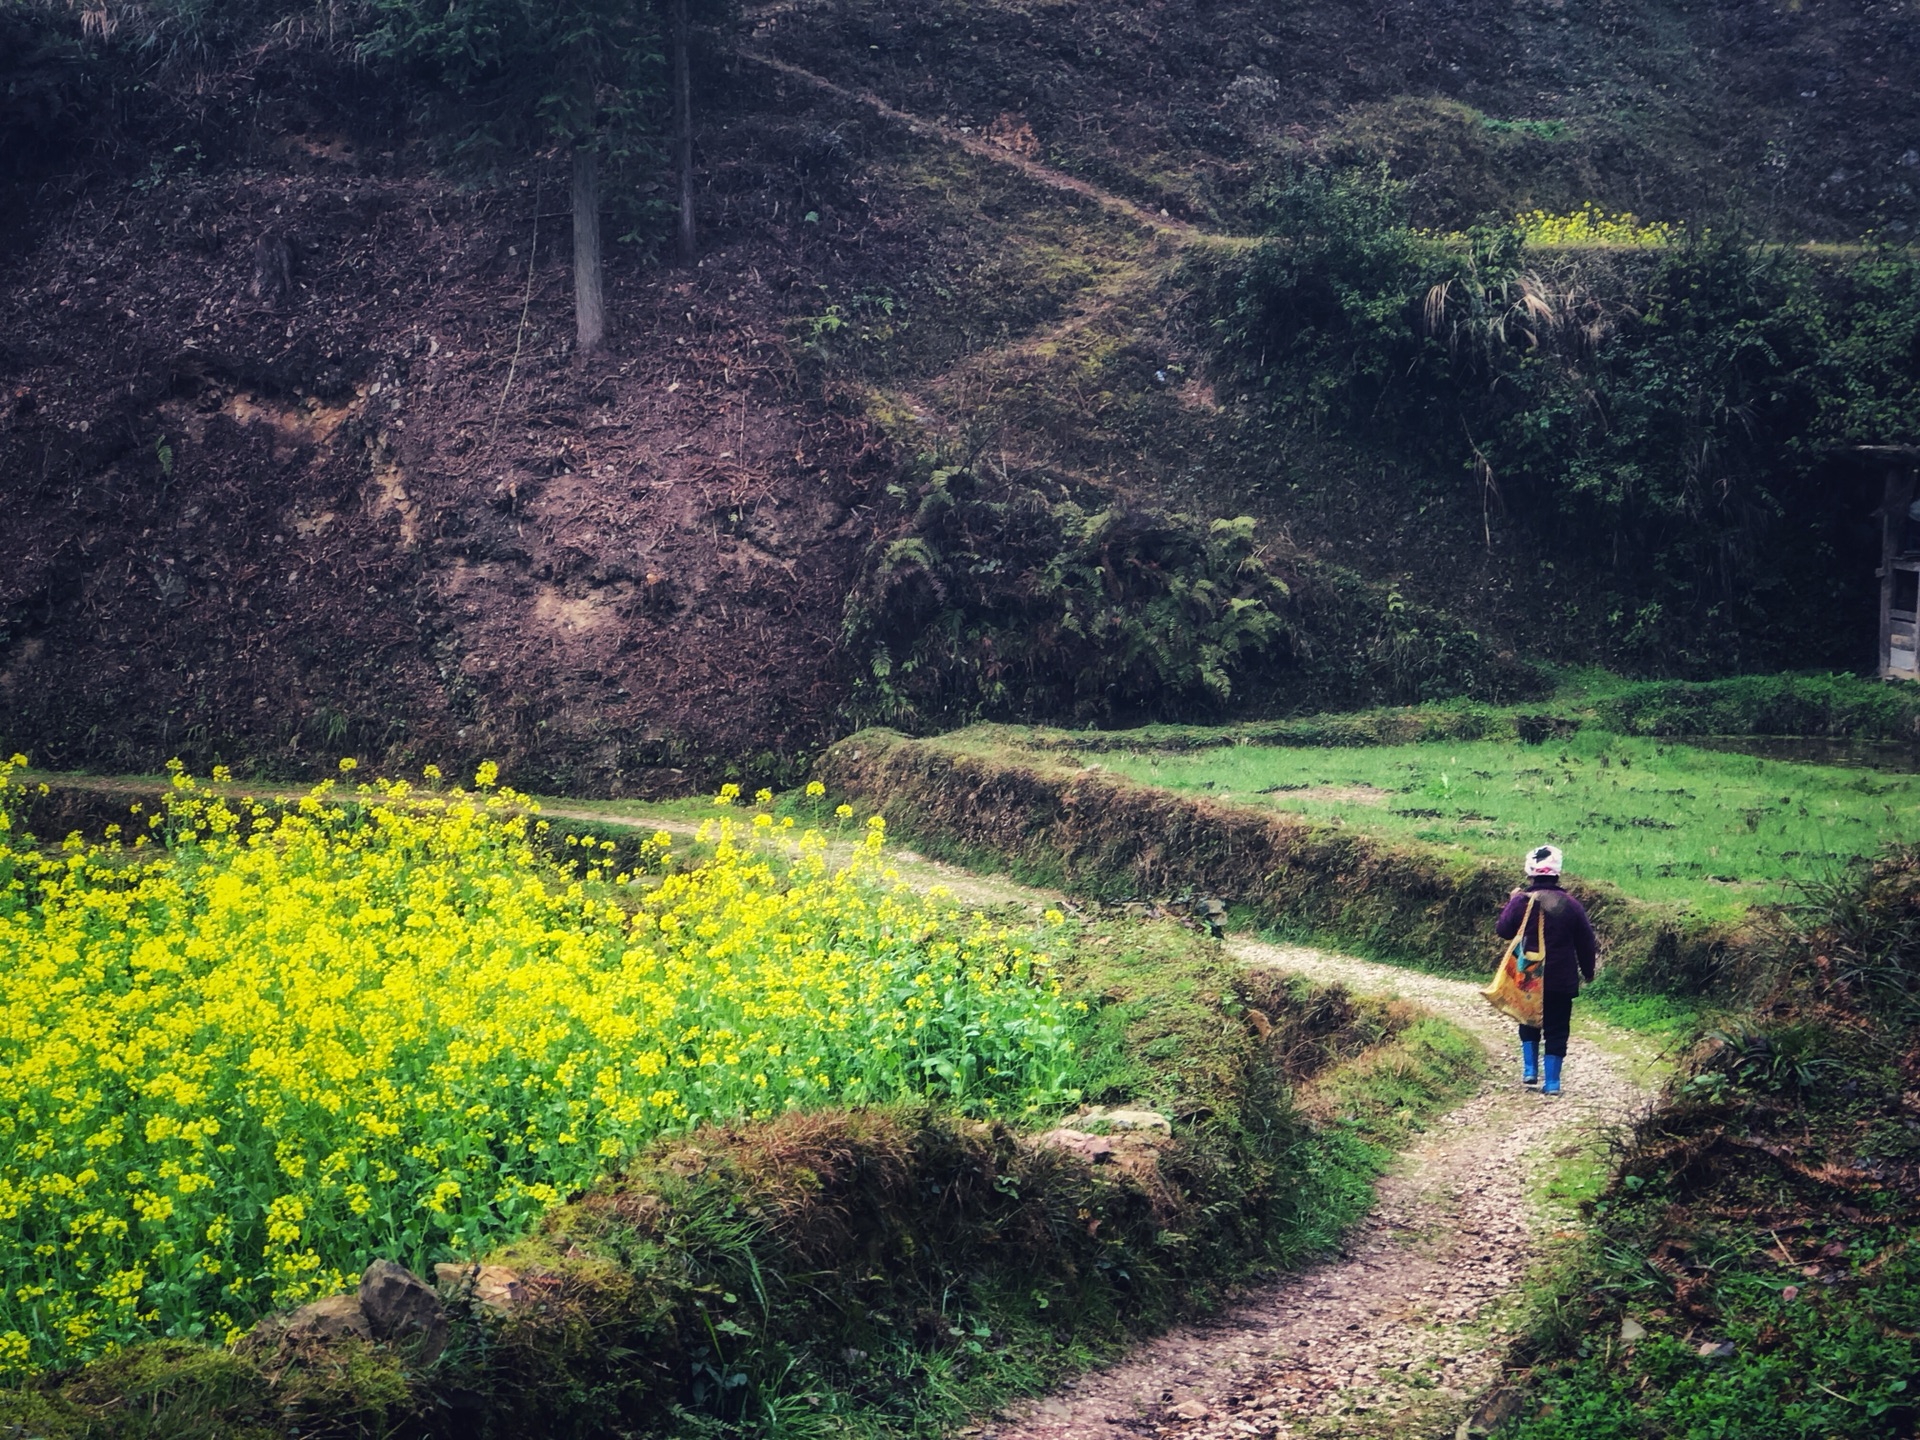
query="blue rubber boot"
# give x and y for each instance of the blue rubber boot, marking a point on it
(1552, 1087)
(1530, 1062)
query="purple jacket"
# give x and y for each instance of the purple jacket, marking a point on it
(1570, 941)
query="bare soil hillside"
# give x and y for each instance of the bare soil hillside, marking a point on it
(1804, 117)
(296, 458)
(297, 462)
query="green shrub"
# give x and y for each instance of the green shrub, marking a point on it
(1670, 420)
(994, 601)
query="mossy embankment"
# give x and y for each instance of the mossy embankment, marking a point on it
(1812, 707)
(977, 798)
(884, 1271)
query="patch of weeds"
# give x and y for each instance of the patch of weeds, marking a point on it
(1530, 129)
(1387, 1095)
(1670, 1018)
(1577, 1176)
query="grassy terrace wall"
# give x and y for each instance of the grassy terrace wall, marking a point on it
(1838, 708)
(1051, 819)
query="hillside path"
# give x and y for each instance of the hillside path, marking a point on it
(1407, 1327)
(1035, 170)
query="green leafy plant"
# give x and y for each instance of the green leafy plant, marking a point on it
(994, 600)
(1009, 605)
(1669, 417)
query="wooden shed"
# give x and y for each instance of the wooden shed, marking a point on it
(1899, 559)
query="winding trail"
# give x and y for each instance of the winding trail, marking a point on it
(1403, 1330)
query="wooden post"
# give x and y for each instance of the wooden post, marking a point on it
(589, 296)
(1896, 495)
(1893, 520)
(685, 243)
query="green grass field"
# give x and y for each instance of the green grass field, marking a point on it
(1664, 821)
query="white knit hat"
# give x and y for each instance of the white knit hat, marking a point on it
(1544, 861)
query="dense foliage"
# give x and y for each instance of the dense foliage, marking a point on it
(1671, 414)
(994, 601)
(1011, 605)
(523, 74)
(244, 1063)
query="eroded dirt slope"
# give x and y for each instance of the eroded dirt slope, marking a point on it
(296, 460)
(287, 474)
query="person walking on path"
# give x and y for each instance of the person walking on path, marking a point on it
(1571, 955)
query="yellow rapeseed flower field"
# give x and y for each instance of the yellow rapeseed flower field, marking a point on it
(1590, 225)
(258, 1046)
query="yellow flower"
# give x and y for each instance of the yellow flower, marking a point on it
(403, 1023)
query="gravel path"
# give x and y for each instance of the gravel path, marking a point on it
(1402, 1331)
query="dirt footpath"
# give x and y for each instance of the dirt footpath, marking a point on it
(1406, 1328)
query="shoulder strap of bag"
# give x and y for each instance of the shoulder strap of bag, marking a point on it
(1554, 903)
(1520, 935)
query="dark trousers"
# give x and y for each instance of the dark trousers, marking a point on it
(1557, 1013)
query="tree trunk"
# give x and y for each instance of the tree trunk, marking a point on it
(683, 133)
(589, 298)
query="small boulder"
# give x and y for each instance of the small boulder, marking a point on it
(1138, 1120)
(491, 1287)
(335, 1318)
(399, 1304)
(1191, 1410)
(453, 1278)
(1094, 1148)
(1724, 1350)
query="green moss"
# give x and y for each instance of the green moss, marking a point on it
(167, 1390)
